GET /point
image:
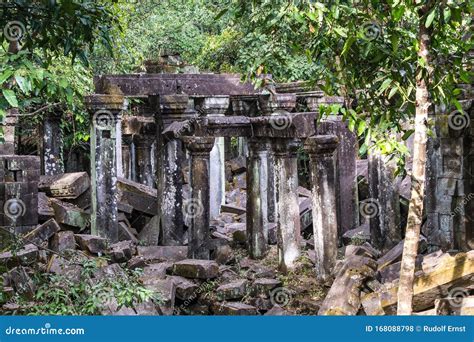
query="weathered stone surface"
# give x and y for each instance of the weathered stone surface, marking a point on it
(22, 282)
(63, 241)
(395, 254)
(455, 305)
(141, 197)
(234, 309)
(224, 254)
(150, 234)
(91, 243)
(234, 290)
(357, 235)
(25, 256)
(277, 310)
(166, 289)
(344, 296)
(125, 232)
(237, 165)
(60, 266)
(121, 251)
(233, 209)
(69, 214)
(185, 288)
(195, 268)
(42, 232)
(163, 253)
(263, 286)
(452, 271)
(66, 185)
(45, 210)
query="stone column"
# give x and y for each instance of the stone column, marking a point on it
(143, 144)
(215, 106)
(382, 209)
(105, 112)
(52, 144)
(169, 156)
(287, 206)
(257, 197)
(197, 208)
(126, 156)
(8, 147)
(322, 154)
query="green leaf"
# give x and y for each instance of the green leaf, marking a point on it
(347, 45)
(5, 75)
(393, 91)
(430, 18)
(23, 83)
(361, 128)
(11, 97)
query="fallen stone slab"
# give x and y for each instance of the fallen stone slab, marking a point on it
(357, 235)
(150, 233)
(343, 297)
(140, 197)
(121, 251)
(395, 254)
(45, 210)
(233, 209)
(70, 215)
(91, 243)
(234, 309)
(277, 310)
(42, 233)
(451, 271)
(60, 266)
(166, 290)
(185, 288)
(22, 282)
(163, 253)
(126, 233)
(196, 269)
(63, 241)
(66, 185)
(25, 256)
(237, 165)
(234, 290)
(263, 286)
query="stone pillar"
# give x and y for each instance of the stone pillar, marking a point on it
(143, 144)
(382, 209)
(346, 192)
(118, 146)
(322, 155)
(257, 197)
(52, 144)
(215, 106)
(244, 105)
(197, 208)
(287, 205)
(126, 156)
(105, 112)
(169, 156)
(8, 147)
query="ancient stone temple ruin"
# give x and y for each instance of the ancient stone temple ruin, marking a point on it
(185, 167)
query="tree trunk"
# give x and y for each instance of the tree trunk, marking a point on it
(415, 211)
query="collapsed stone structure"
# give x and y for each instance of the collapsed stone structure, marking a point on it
(158, 178)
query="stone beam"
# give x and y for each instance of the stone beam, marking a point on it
(170, 84)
